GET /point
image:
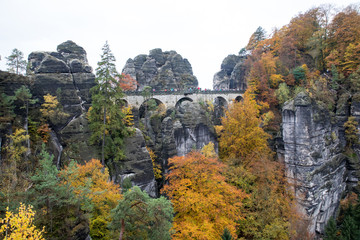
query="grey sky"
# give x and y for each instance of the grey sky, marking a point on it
(204, 32)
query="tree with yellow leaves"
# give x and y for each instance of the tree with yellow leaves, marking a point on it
(204, 203)
(52, 110)
(250, 167)
(241, 135)
(13, 167)
(156, 166)
(91, 183)
(20, 225)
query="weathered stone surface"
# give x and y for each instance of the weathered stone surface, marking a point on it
(313, 159)
(71, 51)
(137, 165)
(75, 140)
(232, 74)
(178, 130)
(192, 132)
(67, 75)
(161, 70)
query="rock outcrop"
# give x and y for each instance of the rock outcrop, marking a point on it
(232, 74)
(67, 75)
(137, 165)
(161, 70)
(314, 159)
(177, 131)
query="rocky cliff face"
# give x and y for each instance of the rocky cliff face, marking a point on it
(67, 75)
(177, 131)
(232, 74)
(161, 70)
(314, 159)
(137, 165)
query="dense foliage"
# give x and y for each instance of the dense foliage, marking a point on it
(204, 203)
(347, 224)
(241, 193)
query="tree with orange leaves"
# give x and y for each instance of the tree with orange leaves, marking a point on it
(344, 41)
(204, 203)
(127, 83)
(91, 183)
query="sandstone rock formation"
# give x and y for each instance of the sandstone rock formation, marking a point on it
(161, 70)
(232, 74)
(314, 159)
(137, 166)
(177, 131)
(67, 75)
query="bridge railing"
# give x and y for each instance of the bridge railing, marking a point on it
(185, 92)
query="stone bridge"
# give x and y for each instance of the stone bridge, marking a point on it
(173, 98)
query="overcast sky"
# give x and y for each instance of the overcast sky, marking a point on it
(204, 32)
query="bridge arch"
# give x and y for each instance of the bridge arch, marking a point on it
(181, 100)
(220, 101)
(239, 99)
(149, 105)
(179, 104)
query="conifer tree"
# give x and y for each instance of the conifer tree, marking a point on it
(16, 62)
(58, 208)
(24, 95)
(349, 228)
(331, 230)
(255, 38)
(138, 216)
(226, 235)
(106, 121)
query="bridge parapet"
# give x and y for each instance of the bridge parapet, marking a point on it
(171, 98)
(184, 92)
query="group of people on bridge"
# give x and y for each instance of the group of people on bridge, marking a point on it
(186, 91)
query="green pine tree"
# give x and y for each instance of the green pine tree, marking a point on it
(331, 230)
(56, 205)
(349, 229)
(105, 118)
(24, 96)
(139, 216)
(226, 235)
(16, 62)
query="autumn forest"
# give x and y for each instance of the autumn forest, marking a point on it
(238, 187)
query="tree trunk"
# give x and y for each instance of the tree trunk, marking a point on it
(103, 140)
(28, 151)
(122, 229)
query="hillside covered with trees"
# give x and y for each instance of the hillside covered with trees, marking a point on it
(77, 162)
